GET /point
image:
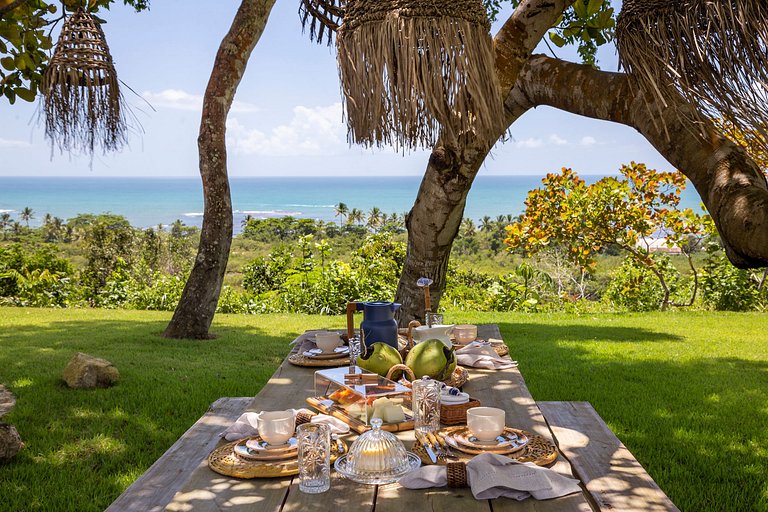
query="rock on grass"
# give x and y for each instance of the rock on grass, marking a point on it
(85, 371)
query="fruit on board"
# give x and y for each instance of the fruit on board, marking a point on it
(433, 359)
(388, 410)
(360, 410)
(379, 358)
(344, 396)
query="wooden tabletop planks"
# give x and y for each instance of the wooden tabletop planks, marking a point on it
(288, 387)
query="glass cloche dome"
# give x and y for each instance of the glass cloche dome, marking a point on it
(376, 457)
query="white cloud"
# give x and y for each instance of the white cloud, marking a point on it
(529, 143)
(311, 131)
(8, 143)
(588, 141)
(557, 140)
(181, 100)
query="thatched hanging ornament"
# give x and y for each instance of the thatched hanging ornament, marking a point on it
(413, 70)
(323, 18)
(713, 52)
(82, 104)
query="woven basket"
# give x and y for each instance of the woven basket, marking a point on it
(458, 378)
(456, 414)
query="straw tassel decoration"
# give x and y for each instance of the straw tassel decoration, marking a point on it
(82, 103)
(413, 71)
(711, 52)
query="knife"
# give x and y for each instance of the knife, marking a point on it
(422, 439)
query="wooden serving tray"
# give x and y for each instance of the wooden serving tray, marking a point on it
(355, 424)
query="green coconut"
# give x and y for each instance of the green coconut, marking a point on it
(379, 358)
(433, 359)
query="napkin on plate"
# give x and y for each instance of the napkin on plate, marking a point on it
(494, 476)
(247, 425)
(482, 355)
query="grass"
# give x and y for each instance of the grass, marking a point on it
(686, 392)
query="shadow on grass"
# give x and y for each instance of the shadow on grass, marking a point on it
(696, 423)
(85, 447)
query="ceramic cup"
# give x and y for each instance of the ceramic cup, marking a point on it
(486, 423)
(276, 427)
(465, 333)
(327, 341)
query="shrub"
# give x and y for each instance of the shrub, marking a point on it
(635, 287)
(727, 288)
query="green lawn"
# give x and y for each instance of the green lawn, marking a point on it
(686, 392)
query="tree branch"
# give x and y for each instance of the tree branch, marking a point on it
(730, 184)
(11, 6)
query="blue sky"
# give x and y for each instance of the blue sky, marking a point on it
(287, 117)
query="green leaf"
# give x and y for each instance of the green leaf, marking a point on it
(594, 7)
(25, 94)
(559, 41)
(8, 63)
(580, 8)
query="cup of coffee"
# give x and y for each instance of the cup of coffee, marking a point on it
(277, 427)
(486, 423)
(327, 341)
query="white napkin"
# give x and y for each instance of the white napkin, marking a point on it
(482, 355)
(247, 425)
(494, 476)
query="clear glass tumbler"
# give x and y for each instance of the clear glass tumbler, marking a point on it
(314, 457)
(434, 319)
(426, 405)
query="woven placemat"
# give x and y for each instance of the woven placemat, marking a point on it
(297, 358)
(539, 450)
(223, 461)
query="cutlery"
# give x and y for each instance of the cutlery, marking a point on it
(425, 443)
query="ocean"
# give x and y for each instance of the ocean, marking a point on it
(147, 202)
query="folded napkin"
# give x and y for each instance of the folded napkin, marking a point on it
(247, 425)
(495, 476)
(482, 355)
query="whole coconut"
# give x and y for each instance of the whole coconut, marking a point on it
(433, 359)
(379, 358)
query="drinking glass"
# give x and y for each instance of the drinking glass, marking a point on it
(434, 319)
(314, 457)
(426, 405)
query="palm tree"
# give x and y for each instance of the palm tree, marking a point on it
(47, 218)
(248, 218)
(374, 218)
(486, 224)
(27, 214)
(5, 222)
(356, 216)
(467, 227)
(341, 210)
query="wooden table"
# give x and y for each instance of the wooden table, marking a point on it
(205, 490)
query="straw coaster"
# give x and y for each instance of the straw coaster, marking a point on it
(223, 461)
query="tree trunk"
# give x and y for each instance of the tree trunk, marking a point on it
(194, 313)
(434, 220)
(731, 185)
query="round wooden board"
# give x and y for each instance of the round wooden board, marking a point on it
(223, 461)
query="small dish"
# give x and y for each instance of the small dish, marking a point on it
(316, 353)
(257, 449)
(342, 466)
(256, 443)
(510, 441)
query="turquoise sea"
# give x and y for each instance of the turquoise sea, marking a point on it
(151, 201)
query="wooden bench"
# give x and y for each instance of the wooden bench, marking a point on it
(611, 474)
(153, 490)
